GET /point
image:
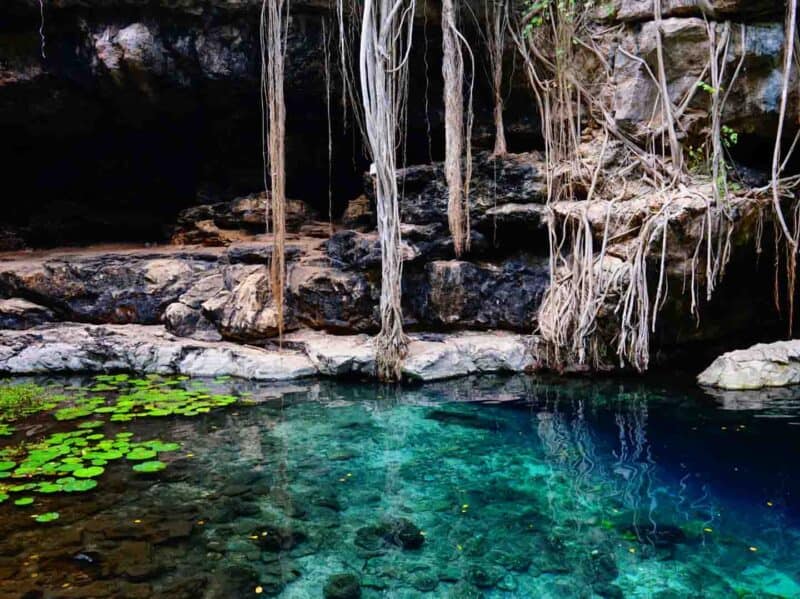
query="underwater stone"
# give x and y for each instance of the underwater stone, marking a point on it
(608, 591)
(342, 586)
(397, 531)
(484, 577)
(273, 538)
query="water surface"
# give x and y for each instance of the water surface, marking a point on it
(485, 487)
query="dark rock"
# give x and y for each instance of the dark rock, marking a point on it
(399, 532)
(117, 288)
(225, 222)
(512, 179)
(608, 591)
(275, 538)
(484, 577)
(463, 419)
(16, 313)
(342, 586)
(334, 300)
(602, 567)
(454, 293)
(359, 215)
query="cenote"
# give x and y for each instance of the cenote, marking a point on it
(480, 487)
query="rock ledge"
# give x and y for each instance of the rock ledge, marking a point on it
(73, 347)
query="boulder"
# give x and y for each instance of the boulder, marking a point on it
(762, 365)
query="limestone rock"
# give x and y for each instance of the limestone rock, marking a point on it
(147, 349)
(225, 222)
(336, 355)
(18, 313)
(72, 347)
(763, 365)
(512, 179)
(755, 96)
(641, 10)
(456, 293)
(114, 287)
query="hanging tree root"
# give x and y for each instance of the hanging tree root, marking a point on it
(614, 255)
(386, 32)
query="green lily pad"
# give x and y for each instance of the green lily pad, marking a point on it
(80, 486)
(91, 424)
(7, 466)
(3, 497)
(47, 517)
(23, 501)
(161, 447)
(90, 472)
(49, 488)
(149, 467)
(140, 453)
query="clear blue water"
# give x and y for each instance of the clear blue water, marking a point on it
(487, 487)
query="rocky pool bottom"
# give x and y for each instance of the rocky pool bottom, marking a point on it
(481, 487)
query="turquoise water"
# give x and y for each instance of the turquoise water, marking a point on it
(488, 487)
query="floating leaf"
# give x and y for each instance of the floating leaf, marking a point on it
(149, 467)
(80, 486)
(160, 446)
(140, 453)
(47, 517)
(7, 465)
(90, 472)
(23, 501)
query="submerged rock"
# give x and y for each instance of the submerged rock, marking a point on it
(400, 532)
(342, 586)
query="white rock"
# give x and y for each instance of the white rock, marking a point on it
(337, 355)
(763, 365)
(140, 348)
(71, 347)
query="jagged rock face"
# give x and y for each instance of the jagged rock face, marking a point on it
(754, 99)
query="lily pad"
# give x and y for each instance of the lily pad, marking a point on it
(7, 466)
(149, 467)
(80, 486)
(90, 472)
(47, 517)
(23, 501)
(140, 453)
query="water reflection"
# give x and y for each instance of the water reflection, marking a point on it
(495, 487)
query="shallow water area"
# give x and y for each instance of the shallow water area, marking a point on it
(479, 487)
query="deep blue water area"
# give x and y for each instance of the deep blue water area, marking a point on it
(478, 487)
